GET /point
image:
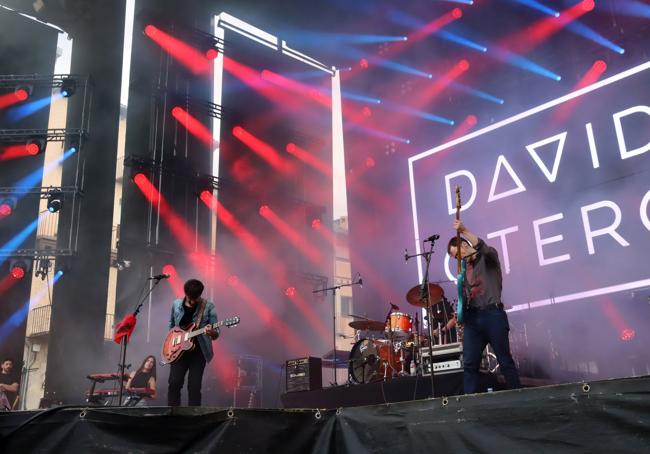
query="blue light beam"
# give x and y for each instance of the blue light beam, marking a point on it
(586, 32)
(20, 315)
(506, 56)
(539, 7)
(379, 134)
(18, 239)
(17, 113)
(26, 183)
(457, 39)
(633, 8)
(395, 107)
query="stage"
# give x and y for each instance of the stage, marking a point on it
(607, 415)
(399, 389)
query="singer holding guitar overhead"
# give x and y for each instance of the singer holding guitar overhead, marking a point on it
(187, 311)
(485, 321)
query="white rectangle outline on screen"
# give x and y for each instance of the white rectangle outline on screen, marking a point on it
(547, 105)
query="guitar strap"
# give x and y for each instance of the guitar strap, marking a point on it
(200, 317)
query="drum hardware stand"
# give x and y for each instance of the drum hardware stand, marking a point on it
(424, 295)
(124, 340)
(359, 282)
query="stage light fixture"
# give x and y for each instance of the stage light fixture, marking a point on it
(7, 206)
(18, 268)
(54, 201)
(264, 210)
(588, 5)
(627, 334)
(316, 224)
(43, 268)
(21, 94)
(600, 65)
(35, 147)
(139, 177)
(210, 51)
(290, 292)
(68, 87)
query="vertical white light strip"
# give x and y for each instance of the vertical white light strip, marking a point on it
(416, 229)
(119, 166)
(126, 56)
(340, 201)
(217, 98)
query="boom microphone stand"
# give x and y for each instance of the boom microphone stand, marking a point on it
(359, 282)
(125, 328)
(424, 296)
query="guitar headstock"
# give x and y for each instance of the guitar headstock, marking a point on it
(231, 321)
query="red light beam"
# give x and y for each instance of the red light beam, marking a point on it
(186, 55)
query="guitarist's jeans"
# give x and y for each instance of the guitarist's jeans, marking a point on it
(483, 327)
(194, 362)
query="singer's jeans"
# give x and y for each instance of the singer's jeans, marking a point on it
(194, 362)
(485, 326)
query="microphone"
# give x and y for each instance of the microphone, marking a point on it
(360, 281)
(406, 256)
(158, 277)
(432, 238)
(394, 306)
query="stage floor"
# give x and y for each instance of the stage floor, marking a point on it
(398, 389)
(600, 416)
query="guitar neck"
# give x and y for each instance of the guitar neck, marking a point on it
(198, 332)
(458, 256)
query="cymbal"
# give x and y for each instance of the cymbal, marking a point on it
(358, 316)
(370, 325)
(435, 295)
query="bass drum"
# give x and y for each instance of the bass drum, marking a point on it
(372, 360)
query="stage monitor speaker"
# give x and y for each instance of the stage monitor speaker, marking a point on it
(304, 374)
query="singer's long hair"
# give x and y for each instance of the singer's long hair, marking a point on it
(153, 369)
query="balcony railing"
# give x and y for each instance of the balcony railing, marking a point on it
(39, 321)
(108, 327)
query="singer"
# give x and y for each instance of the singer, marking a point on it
(191, 310)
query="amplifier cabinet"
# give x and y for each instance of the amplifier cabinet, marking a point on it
(304, 374)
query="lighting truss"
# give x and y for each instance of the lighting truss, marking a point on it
(37, 254)
(37, 80)
(173, 170)
(41, 192)
(50, 135)
(211, 109)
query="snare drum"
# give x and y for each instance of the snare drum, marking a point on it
(399, 325)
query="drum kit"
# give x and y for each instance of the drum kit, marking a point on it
(383, 350)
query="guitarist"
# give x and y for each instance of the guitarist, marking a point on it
(191, 310)
(485, 320)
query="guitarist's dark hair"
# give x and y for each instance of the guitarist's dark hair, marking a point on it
(452, 242)
(193, 288)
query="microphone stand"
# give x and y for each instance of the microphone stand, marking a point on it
(424, 295)
(124, 341)
(334, 289)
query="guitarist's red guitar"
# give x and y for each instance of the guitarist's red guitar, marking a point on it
(179, 340)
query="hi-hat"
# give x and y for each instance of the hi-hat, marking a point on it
(414, 298)
(370, 325)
